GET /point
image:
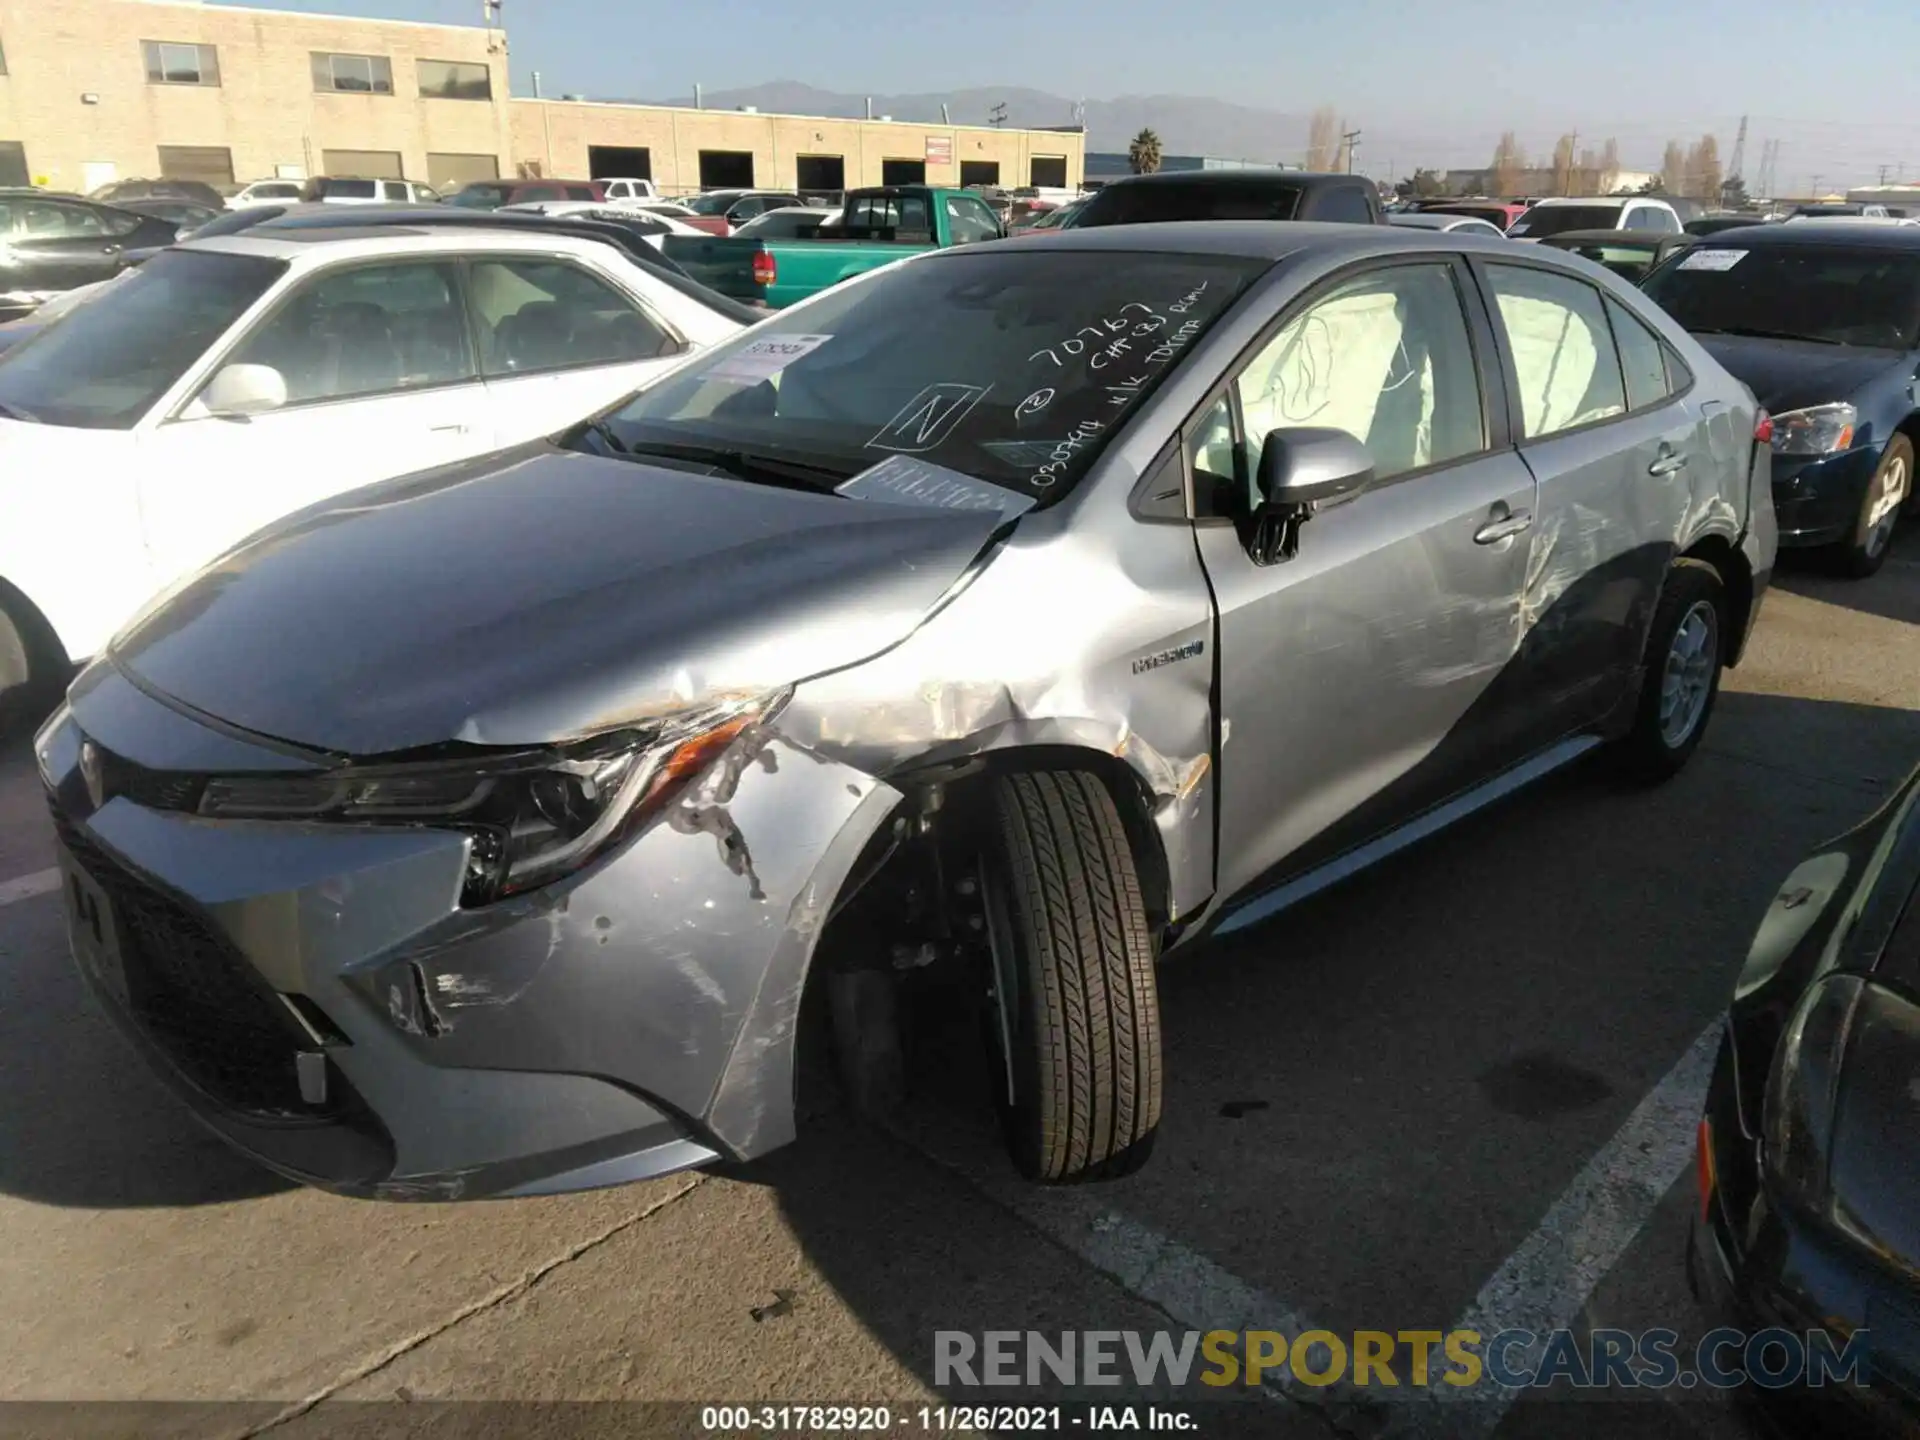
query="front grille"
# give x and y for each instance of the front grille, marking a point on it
(155, 789)
(195, 995)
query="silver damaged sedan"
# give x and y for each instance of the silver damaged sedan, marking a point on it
(1009, 618)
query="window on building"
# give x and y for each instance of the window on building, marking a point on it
(209, 164)
(726, 169)
(171, 64)
(625, 162)
(1049, 172)
(364, 164)
(13, 163)
(979, 172)
(355, 74)
(454, 80)
(447, 171)
(903, 172)
(821, 172)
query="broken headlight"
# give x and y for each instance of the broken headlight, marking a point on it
(533, 815)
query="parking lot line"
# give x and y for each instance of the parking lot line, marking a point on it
(25, 887)
(1183, 1284)
(1548, 1280)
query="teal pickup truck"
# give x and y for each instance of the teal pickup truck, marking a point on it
(876, 228)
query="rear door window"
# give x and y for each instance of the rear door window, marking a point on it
(1563, 352)
(580, 192)
(393, 190)
(537, 315)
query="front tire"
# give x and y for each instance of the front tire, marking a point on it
(30, 670)
(1686, 647)
(1865, 551)
(1074, 1018)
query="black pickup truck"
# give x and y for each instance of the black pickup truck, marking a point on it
(1233, 195)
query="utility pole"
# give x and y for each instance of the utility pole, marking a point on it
(1739, 153)
(1347, 137)
(1814, 186)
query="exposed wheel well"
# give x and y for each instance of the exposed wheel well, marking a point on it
(1910, 427)
(1130, 796)
(1737, 576)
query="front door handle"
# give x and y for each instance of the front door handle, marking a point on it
(1669, 461)
(448, 430)
(1507, 526)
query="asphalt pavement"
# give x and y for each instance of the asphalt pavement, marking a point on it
(1459, 1089)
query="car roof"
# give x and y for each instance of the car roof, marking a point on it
(1247, 239)
(1223, 177)
(1432, 219)
(1651, 239)
(1596, 199)
(1847, 230)
(298, 243)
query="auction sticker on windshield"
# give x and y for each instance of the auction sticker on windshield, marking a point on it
(1713, 259)
(903, 480)
(764, 358)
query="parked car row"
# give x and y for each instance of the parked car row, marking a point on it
(665, 634)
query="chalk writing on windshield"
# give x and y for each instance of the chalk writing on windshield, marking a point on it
(1034, 403)
(1135, 330)
(1061, 456)
(928, 419)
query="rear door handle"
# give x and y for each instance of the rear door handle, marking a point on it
(448, 430)
(1494, 531)
(1667, 464)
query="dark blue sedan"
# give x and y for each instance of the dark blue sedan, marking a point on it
(1822, 322)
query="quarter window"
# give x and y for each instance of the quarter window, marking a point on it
(367, 331)
(174, 64)
(56, 220)
(548, 315)
(1643, 359)
(454, 80)
(1347, 204)
(1563, 353)
(355, 74)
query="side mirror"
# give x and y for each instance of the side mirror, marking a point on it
(242, 390)
(1301, 468)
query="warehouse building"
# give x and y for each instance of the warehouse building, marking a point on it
(93, 91)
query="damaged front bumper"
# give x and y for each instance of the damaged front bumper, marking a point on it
(320, 998)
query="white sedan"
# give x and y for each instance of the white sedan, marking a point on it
(229, 381)
(653, 227)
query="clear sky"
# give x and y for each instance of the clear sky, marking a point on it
(1435, 83)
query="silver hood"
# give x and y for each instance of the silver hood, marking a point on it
(539, 595)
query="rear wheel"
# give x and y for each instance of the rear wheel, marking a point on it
(1685, 649)
(1865, 551)
(1074, 1019)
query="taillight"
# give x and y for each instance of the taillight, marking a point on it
(1703, 1166)
(764, 270)
(1763, 429)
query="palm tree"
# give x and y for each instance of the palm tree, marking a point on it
(1143, 155)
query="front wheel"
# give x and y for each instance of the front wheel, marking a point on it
(1865, 551)
(1686, 647)
(1074, 1018)
(30, 671)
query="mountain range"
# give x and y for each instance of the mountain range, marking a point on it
(1186, 124)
